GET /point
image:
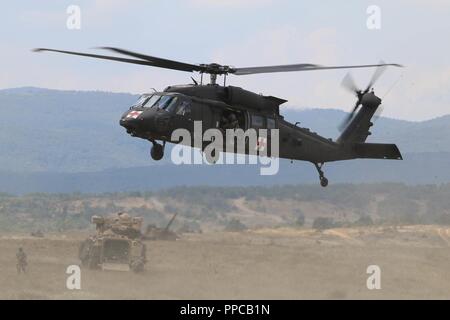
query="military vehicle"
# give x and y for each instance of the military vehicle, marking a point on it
(37, 234)
(189, 227)
(154, 233)
(235, 225)
(116, 246)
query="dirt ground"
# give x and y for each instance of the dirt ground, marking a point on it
(259, 264)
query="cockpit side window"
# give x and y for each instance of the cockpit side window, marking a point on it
(172, 105)
(163, 102)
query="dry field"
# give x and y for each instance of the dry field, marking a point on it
(258, 264)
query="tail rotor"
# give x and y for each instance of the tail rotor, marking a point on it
(349, 83)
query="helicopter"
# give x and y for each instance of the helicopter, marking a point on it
(156, 115)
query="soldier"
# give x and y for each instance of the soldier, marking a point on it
(21, 261)
(233, 122)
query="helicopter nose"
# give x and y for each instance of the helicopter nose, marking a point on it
(137, 121)
(130, 120)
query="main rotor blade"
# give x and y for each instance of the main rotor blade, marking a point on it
(126, 60)
(164, 63)
(299, 67)
(270, 69)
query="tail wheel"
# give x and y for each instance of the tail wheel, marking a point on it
(323, 180)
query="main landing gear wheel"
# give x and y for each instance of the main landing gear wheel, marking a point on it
(157, 151)
(323, 180)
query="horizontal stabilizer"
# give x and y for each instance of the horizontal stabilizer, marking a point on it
(377, 151)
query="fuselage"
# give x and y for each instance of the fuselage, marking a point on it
(155, 117)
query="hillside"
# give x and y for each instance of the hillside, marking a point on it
(424, 168)
(65, 131)
(70, 131)
(411, 137)
(212, 208)
(68, 141)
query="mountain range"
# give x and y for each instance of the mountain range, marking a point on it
(66, 141)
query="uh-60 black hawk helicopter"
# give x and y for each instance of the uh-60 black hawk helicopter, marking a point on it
(155, 116)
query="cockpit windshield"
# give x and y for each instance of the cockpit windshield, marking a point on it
(167, 103)
(142, 100)
(150, 102)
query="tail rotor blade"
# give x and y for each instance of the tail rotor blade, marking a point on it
(349, 117)
(349, 83)
(344, 123)
(376, 75)
(378, 113)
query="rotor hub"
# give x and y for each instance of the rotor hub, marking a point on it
(215, 68)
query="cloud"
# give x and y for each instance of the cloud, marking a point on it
(435, 4)
(230, 3)
(421, 93)
(329, 34)
(289, 44)
(39, 18)
(283, 44)
(110, 6)
(106, 13)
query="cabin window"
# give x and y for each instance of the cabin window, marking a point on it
(257, 121)
(270, 123)
(230, 120)
(184, 109)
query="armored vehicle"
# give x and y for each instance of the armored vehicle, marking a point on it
(116, 246)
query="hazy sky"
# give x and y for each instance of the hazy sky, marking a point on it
(240, 33)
